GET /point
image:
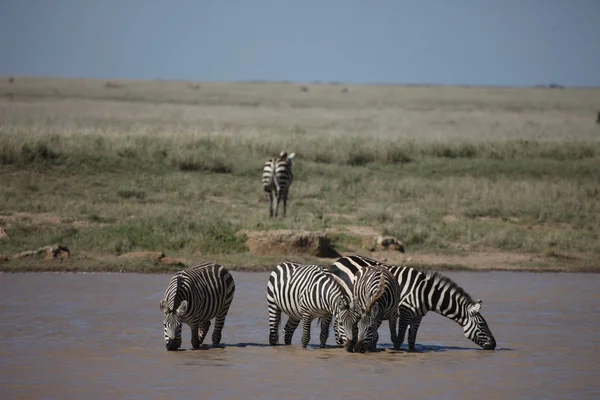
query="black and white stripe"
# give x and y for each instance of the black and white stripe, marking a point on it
(422, 292)
(376, 295)
(277, 178)
(306, 292)
(194, 297)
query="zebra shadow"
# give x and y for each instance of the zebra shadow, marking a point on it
(225, 345)
(430, 348)
(207, 347)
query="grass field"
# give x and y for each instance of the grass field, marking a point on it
(107, 168)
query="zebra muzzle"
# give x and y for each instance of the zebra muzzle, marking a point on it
(348, 346)
(489, 346)
(172, 345)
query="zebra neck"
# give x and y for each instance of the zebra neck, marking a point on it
(443, 296)
(453, 306)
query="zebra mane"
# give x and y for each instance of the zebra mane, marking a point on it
(441, 280)
(380, 288)
(178, 279)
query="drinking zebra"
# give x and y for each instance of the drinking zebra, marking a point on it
(305, 292)
(194, 297)
(277, 178)
(376, 294)
(422, 292)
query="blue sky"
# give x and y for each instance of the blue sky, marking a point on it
(476, 42)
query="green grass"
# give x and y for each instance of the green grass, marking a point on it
(168, 168)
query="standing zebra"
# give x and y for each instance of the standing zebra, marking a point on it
(277, 178)
(195, 296)
(376, 294)
(598, 118)
(423, 292)
(305, 292)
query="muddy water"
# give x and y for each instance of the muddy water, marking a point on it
(99, 336)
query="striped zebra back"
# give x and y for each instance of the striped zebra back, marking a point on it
(283, 172)
(291, 286)
(277, 173)
(195, 296)
(305, 292)
(268, 176)
(347, 267)
(208, 288)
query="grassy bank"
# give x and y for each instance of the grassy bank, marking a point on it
(175, 167)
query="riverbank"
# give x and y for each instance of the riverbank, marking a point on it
(464, 177)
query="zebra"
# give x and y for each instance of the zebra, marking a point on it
(376, 295)
(305, 292)
(598, 118)
(195, 296)
(423, 292)
(277, 178)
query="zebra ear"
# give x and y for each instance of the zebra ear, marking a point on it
(163, 306)
(182, 307)
(290, 156)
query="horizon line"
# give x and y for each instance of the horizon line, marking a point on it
(550, 85)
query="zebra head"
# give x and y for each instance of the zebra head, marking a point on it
(370, 313)
(284, 156)
(477, 329)
(346, 320)
(172, 323)
(369, 317)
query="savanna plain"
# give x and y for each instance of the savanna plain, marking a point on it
(465, 177)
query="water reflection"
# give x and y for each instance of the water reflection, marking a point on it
(100, 336)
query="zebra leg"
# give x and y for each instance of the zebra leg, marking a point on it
(306, 321)
(393, 335)
(339, 339)
(200, 334)
(284, 198)
(195, 340)
(404, 318)
(289, 329)
(270, 200)
(274, 320)
(325, 322)
(412, 332)
(218, 329)
(375, 340)
(276, 198)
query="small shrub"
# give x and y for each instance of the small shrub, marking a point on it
(467, 150)
(187, 165)
(213, 165)
(443, 150)
(39, 152)
(132, 194)
(397, 156)
(360, 157)
(128, 152)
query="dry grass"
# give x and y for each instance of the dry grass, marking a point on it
(175, 166)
